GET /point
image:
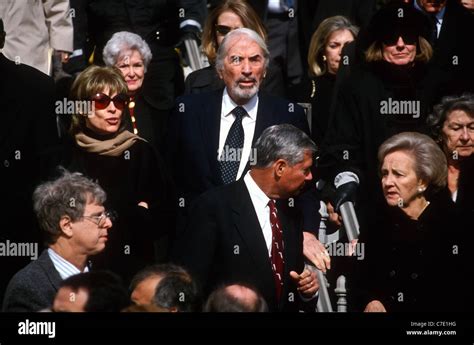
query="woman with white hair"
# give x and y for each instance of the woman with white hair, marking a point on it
(131, 55)
(415, 240)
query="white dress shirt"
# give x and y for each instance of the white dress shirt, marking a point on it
(260, 204)
(64, 267)
(248, 123)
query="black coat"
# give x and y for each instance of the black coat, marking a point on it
(452, 55)
(223, 243)
(359, 125)
(137, 175)
(317, 91)
(28, 128)
(415, 265)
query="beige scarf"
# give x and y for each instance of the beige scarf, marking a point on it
(112, 147)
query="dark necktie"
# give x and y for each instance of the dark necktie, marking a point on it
(230, 157)
(277, 259)
(434, 29)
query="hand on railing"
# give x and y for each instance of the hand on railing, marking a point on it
(315, 252)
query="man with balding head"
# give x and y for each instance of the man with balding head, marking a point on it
(235, 298)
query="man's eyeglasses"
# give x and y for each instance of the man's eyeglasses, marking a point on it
(101, 219)
(224, 29)
(102, 101)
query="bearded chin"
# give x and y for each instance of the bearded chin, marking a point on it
(245, 93)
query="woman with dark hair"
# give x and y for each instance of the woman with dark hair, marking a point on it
(413, 243)
(225, 17)
(125, 165)
(452, 126)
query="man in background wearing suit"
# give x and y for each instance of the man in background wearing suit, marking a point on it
(75, 225)
(237, 233)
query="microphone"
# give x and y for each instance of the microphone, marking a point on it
(349, 218)
(346, 185)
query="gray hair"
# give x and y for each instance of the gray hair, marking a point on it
(223, 48)
(65, 196)
(282, 142)
(442, 110)
(317, 66)
(123, 41)
(430, 162)
(153, 271)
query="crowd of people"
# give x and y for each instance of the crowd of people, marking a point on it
(146, 191)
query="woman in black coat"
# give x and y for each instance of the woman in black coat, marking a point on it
(126, 166)
(412, 250)
(324, 58)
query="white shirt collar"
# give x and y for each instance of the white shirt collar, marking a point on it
(228, 105)
(64, 267)
(259, 198)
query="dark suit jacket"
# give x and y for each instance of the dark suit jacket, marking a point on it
(33, 288)
(452, 54)
(194, 137)
(28, 128)
(223, 243)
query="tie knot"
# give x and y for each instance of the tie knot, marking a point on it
(239, 113)
(271, 204)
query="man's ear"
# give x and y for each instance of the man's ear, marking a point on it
(219, 73)
(279, 167)
(65, 223)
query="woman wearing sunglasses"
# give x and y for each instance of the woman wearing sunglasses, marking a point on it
(126, 166)
(131, 55)
(227, 16)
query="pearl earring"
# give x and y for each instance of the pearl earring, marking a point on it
(421, 189)
(324, 58)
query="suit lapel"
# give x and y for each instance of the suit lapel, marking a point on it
(53, 275)
(264, 120)
(264, 117)
(210, 128)
(246, 223)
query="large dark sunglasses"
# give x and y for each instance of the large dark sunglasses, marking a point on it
(392, 39)
(223, 29)
(102, 101)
